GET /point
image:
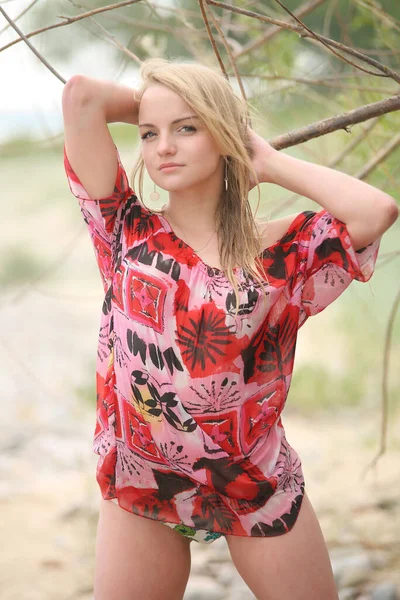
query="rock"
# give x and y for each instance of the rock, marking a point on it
(351, 570)
(347, 593)
(380, 558)
(203, 588)
(219, 551)
(225, 573)
(240, 592)
(385, 591)
(199, 562)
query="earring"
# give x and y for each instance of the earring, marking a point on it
(154, 196)
(226, 174)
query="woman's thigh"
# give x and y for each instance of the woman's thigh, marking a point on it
(137, 558)
(293, 566)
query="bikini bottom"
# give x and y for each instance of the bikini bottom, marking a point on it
(202, 536)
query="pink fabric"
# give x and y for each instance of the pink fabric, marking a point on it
(189, 399)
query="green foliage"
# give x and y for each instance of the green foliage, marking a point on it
(87, 391)
(316, 389)
(18, 266)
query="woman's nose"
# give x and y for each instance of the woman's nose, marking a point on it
(165, 145)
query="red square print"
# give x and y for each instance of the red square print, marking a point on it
(223, 430)
(117, 287)
(138, 436)
(260, 412)
(145, 298)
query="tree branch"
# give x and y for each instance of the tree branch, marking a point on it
(303, 32)
(229, 53)
(380, 156)
(211, 37)
(40, 57)
(21, 14)
(343, 121)
(110, 37)
(70, 20)
(385, 395)
(302, 11)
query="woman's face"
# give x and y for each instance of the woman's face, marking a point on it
(186, 142)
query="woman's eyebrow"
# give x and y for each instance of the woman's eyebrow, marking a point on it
(176, 121)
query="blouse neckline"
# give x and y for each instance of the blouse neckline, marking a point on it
(209, 270)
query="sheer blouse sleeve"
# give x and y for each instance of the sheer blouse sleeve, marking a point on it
(327, 262)
(101, 215)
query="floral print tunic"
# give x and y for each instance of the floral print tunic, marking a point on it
(189, 399)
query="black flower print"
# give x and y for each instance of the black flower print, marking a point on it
(204, 339)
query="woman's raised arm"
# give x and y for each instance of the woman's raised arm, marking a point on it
(88, 105)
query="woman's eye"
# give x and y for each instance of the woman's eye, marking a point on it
(190, 127)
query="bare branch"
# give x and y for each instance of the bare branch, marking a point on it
(326, 82)
(97, 11)
(70, 20)
(110, 37)
(229, 53)
(40, 57)
(302, 11)
(320, 39)
(211, 37)
(387, 19)
(380, 156)
(21, 14)
(355, 142)
(303, 32)
(343, 121)
(385, 395)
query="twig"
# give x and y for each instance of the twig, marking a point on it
(229, 53)
(386, 72)
(343, 121)
(355, 142)
(379, 157)
(110, 37)
(211, 37)
(388, 19)
(320, 39)
(385, 396)
(21, 14)
(70, 20)
(302, 11)
(326, 82)
(40, 57)
(97, 11)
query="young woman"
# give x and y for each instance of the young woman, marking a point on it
(198, 331)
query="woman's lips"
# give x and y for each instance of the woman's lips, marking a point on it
(170, 168)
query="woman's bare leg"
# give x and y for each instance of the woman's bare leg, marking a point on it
(293, 566)
(138, 558)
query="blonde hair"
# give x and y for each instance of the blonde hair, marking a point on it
(226, 117)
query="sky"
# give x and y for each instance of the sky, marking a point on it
(30, 97)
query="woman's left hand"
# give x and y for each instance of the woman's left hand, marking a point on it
(262, 151)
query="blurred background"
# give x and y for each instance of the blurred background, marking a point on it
(346, 383)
